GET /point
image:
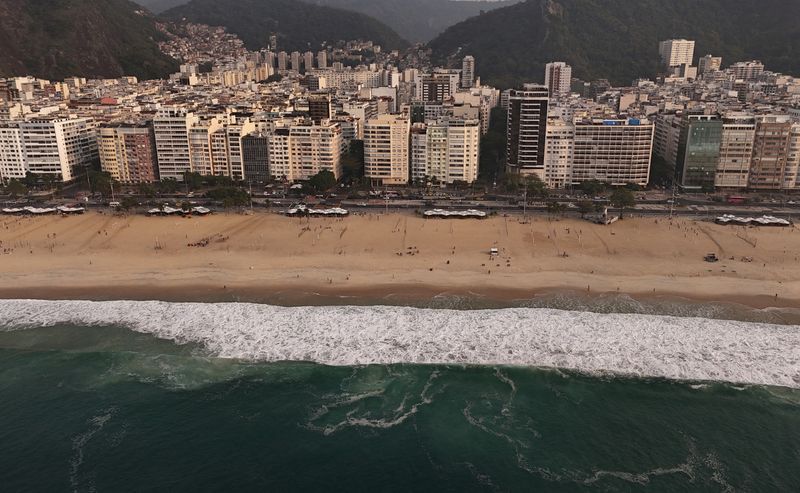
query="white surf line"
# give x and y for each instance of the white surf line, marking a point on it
(628, 344)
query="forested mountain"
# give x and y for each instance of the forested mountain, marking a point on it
(618, 39)
(54, 39)
(299, 25)
(158, 6)
(418, 20)
(414, 20)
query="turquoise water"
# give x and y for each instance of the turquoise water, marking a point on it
(104, 408)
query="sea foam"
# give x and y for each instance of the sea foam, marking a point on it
(629, 344)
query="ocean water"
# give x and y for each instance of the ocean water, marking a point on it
(550, 394)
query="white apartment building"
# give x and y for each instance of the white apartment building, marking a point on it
(558, 153)
(302, 150)
(468, 72)
(171, 128)
(676, 52)
(202, 150)
(386, 149)
(447, 150)
(613, 151)
(12, 153)
(62, 146)
(558, 79)
(735, 152)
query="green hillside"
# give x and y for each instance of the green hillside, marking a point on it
(300, 26)
(417, 20)
(618, 39)
(93, 38)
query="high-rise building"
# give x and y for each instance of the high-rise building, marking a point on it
(558, 79)
(386, 149)
(698, 150)
(255, 157)
(295, 60)
(776, 154)
(302, 150)
(308, 61)
(708, 64)
(235, 130)
(558, 155)
(667, 137)
(676, 52)
(612, 151)
(747, 71)
(171, 129)
(12, 153)
(322, 59)
(283, 61)
(468, 72)
(64, 147)
(735, 151)
(320, 107)
(207, 148)
(128, 152)
(446, 150)
(438, 86)
(527, 125)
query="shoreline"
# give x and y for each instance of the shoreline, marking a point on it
(404, 295)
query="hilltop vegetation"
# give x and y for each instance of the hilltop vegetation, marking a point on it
(299, 25)
(418, 20)
(618, 39)
(55, 39)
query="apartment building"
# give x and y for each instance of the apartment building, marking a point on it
(12, 153)
(386, 149)
(62, 147)
(171, 130)
(776, 151)
(558, 154)
(612, 151)
(735, 152)
(301, 150)
(446, 150)
(527, 126)
(558, 79)
(128, 152)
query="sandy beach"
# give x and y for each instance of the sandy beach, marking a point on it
(111, 256)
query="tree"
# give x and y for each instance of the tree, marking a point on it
(128, 203)
(16, 188)
(622, 198)
(324, 180)
(193, 180)
(100, 182)
(147, 189)
(535, 186)
(229, 196)
(555, 208)
(168, 185)
(593, 187)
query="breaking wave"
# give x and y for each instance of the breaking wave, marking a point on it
(683, 348)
